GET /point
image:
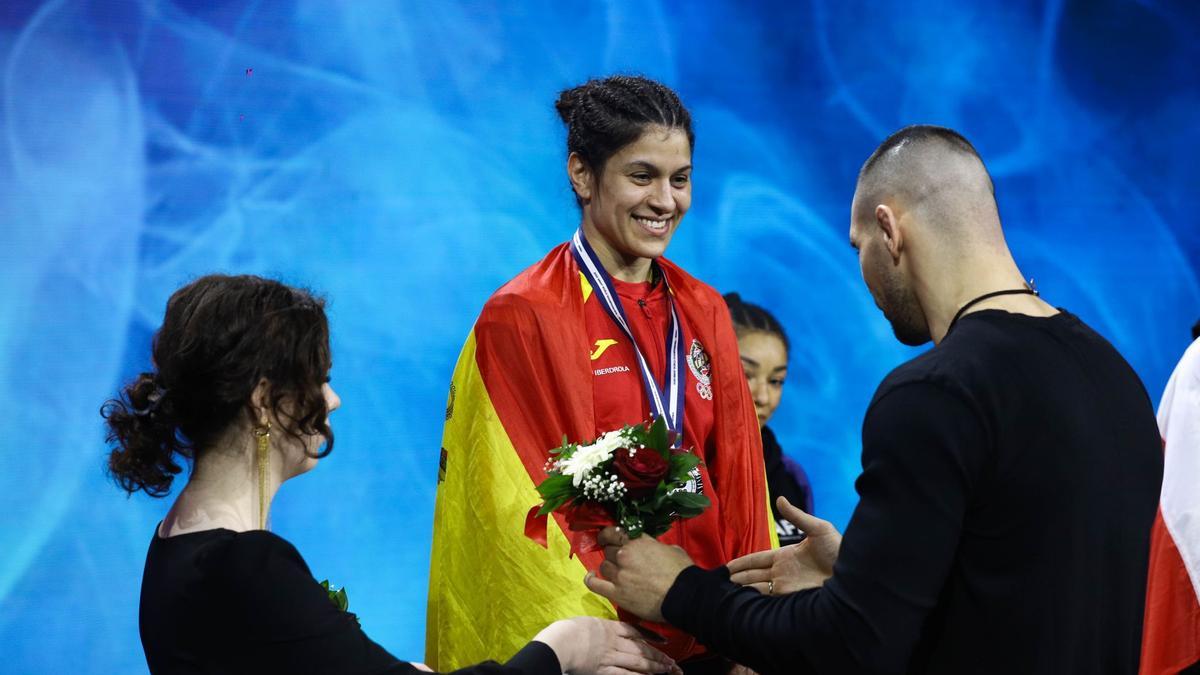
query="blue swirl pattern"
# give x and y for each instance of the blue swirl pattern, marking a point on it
(404, 159)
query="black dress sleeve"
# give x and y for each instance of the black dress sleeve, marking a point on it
(535, 658)
(281, 620)
(785, 478)
(923, 451)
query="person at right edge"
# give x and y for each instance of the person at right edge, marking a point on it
(1010, 475)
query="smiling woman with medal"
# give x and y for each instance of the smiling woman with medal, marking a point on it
(603, 332)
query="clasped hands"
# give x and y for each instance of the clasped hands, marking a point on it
(637, 573)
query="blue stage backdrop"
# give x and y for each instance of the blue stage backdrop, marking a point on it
(404, 159)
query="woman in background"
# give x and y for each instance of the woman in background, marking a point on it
(763, 347)
(241, 390)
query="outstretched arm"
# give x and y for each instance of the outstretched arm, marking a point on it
(923, 451)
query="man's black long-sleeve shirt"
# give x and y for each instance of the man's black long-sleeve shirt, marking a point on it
(1010, 480)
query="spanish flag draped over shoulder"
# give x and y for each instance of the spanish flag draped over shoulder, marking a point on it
(522, 382)
(1171, 633)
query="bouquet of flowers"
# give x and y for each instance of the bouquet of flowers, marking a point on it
(633, 478)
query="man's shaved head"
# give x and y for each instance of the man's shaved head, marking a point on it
(925, 225)
(912, 137)
(925, 186)
(934, 172)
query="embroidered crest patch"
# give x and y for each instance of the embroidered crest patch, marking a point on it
(701, 366)
(694, 484)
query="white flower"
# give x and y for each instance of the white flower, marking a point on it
(611, 441)
(588, 457)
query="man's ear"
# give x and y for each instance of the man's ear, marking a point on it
(893, 234)
(581, 177)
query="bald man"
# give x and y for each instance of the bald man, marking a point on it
(1010, 474)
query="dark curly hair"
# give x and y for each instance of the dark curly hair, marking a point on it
(605, 115)
(220, 337)
(748, 316)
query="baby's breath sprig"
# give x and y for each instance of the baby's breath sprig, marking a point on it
(603, 487)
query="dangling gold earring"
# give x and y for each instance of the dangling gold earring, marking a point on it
(263, 434)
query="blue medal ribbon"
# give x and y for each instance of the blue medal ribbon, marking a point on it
(666, 403)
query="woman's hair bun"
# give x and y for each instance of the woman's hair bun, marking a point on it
(748, 316)
(143, 429)
(568, 103)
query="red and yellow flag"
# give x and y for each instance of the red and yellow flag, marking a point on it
(522, 382)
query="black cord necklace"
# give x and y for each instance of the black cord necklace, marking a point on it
(989, 296)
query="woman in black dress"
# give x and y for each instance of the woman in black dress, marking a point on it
(241, 391)
(763, 347)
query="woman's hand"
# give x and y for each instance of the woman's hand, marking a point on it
(791, 568)
(586, 645)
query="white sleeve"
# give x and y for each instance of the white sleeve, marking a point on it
(1179, 424)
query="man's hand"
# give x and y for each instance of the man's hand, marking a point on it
(791, 568)
(637, 573)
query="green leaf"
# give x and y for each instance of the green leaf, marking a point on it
(337, 596)
(660, 497)
(690, 500)
(682, 463)
(555, 484)
(565, 450)
(658, 435)
(551, 505)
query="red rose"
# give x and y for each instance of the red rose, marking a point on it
(588, 516)
(640, 471)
